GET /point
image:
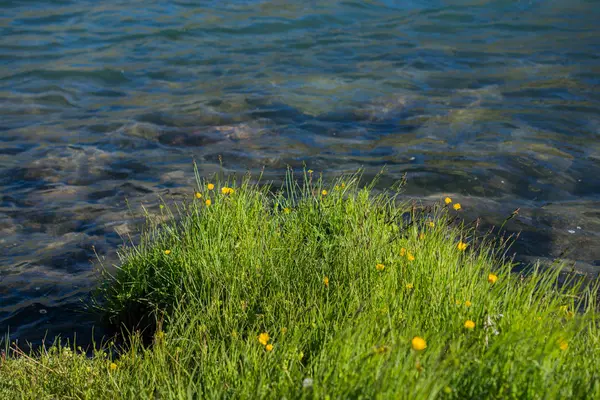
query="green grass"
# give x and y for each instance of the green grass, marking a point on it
(302, 267)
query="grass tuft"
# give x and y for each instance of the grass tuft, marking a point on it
(323, 291)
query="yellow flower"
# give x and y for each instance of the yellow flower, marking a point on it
(263, 338)
(286, 210)
(284, 330)
(310, 171)
(167, 252)
(468, 303)
(210, 186)
(447, 200)
(431, 224)
(409, 286)
(326, 281)
(456, 206)
(422, 236)
(269, 347)
(462, 246)
(402, 252)
(198, 195)
(563, 344)
(418, 343)
(343, 185)
(492, 278)
(410, 257)
(469, 324)
(324, 192)
(380, 267)
(113, 366)
(227, 190)
(208, 202)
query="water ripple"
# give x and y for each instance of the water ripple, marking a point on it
(104, 106)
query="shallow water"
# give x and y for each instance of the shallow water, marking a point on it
(104, 104)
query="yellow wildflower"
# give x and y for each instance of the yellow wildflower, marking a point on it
(418, 343)
(462, 246)
(492, 278)
(326, 281)
(468, 303)
(469, 324)
(447, 200)
(409, 286)
(113, 366)
(284, 330)
(431, 224)
(410, 257)
(210, 186)
(343, 185)
(227, 190)
(380, 267)
(402, 252)
(263, 338)
(208, 202)
(269, 347)
(310, 171)
(198, 195)
(167, 252)
(286, 210)
(422, 236)
(324, 192)
(563, 344)
(456, 206)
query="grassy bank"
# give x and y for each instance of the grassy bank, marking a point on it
(323, 292)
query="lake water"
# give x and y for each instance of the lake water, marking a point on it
(107, 103)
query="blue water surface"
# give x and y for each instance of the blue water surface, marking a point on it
(105, 104)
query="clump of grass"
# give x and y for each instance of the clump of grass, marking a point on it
(325, 292)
